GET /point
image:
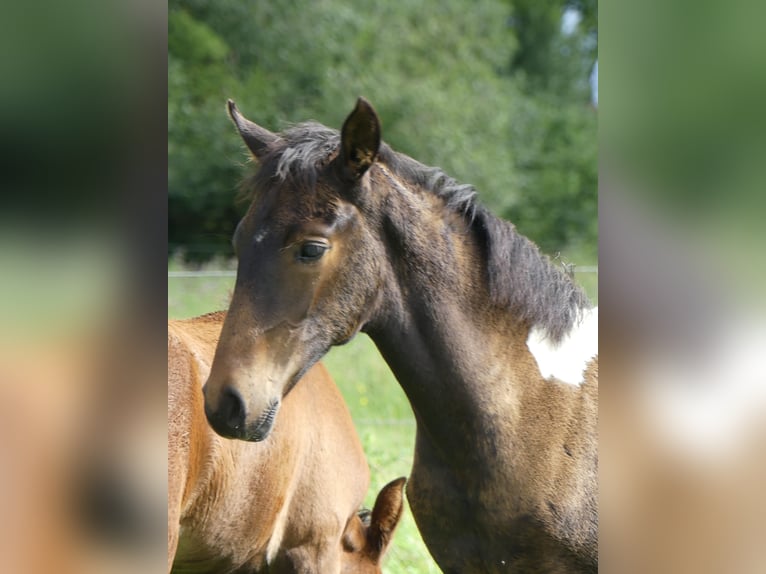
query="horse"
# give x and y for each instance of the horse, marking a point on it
(83, 487)
(494, 345)
(288, 504)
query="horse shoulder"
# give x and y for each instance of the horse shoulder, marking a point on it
(190, 442)
(568, 502)
(191, 346)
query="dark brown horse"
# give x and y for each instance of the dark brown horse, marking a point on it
(495, 347)
(288, 504)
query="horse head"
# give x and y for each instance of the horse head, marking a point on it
(308, 270)
(367, 536)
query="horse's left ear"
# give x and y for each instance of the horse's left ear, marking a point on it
(386, 514)
(360, 139)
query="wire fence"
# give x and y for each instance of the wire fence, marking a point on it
(233, 273)
(204, 273)
(194, 292)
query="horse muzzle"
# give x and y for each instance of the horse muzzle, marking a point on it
(261, 428)
(230, 418)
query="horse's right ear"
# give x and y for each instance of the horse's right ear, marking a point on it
(360, 139)
(258, 139)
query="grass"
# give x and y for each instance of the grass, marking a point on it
(192, 296)
(386, 426)
(380, 410)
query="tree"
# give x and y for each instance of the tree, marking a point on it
(436, 72)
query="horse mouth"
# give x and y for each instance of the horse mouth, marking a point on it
(262, 426)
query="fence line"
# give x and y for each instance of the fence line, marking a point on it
(208, 273)
(408, 421)
(232, 273)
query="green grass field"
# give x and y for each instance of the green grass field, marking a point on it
(378, 406)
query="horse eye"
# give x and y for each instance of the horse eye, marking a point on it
(312, 251)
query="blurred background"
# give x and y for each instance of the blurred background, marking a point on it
(83, 216)
(682, 199)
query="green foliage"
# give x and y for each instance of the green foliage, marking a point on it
(548, 59)
(201, 173)
(440, 75)
(555, 151)
(536, 23)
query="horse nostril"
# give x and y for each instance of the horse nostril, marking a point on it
(228, 419)
(232, 408)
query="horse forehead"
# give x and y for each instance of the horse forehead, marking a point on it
(289, 205)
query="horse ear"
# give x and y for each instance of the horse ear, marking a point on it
(360, 139)
(353, 535)
(258, 139)
(386, 514)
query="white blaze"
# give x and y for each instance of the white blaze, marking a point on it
(566, 360)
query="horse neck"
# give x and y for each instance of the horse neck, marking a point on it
(437, 330)
(450, 368)
(458, 352)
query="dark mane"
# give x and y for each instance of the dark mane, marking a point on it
(459, 197)
(520, 277)
(525, 280)
(365, 515)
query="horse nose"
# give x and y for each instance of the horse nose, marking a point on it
(229, 419)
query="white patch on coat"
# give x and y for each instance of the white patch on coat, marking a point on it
(568, 359)
(260, 236)
(708, 405)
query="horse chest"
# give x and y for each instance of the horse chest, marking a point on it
(222, 534)
(470, 539)
(199, 553)
(475, 520)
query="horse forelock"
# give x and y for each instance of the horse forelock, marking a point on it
(365, 515)
(307, 148)
(296, 159)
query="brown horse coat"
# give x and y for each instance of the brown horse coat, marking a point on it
(287, 504)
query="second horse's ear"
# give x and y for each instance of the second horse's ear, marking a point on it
(360, 139)
(386, 514)
(258, 139)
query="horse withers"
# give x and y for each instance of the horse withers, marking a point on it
(287, 504)
(494, 345)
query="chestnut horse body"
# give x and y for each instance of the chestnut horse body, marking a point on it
(288, 504)
(495, 347)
